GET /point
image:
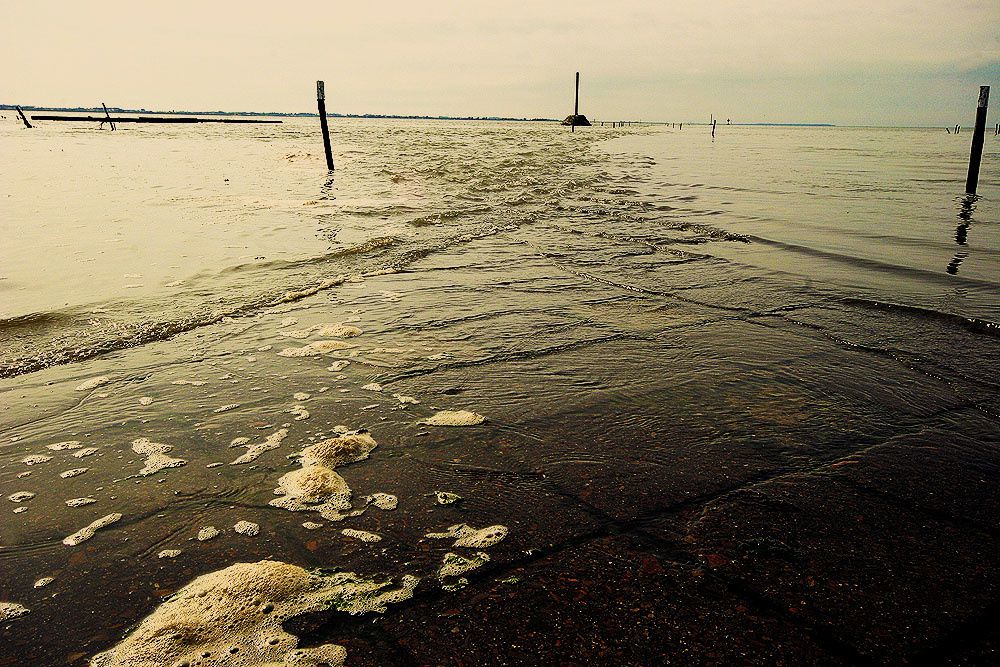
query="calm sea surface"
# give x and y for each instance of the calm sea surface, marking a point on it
(644, 316)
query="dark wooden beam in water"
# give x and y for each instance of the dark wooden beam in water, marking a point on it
(151, 119)
(108, 116)
(978, 137)
(321, 105)
(23, 118)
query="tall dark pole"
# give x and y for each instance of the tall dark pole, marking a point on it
(576, 103)
(321, 101)
(978, 136)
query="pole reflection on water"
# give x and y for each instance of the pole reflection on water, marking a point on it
(968, 207)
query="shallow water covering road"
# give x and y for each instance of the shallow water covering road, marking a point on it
(704, 451)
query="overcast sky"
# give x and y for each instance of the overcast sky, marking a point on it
(881, 62)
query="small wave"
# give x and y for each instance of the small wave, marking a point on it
(55, 341)
(872, 264)
(22, 324)
(973, 324)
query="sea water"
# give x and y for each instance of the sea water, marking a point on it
(623, 320)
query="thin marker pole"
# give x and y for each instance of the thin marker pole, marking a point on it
(978, 136)
(321, 103)
(576, 104)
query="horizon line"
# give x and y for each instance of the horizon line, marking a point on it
(313, 114)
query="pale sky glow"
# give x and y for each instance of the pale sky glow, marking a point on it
(883, 62)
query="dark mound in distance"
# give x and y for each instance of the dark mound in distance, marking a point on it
(578, 120)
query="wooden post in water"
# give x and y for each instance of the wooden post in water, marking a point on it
(108, 116)
(24, 119)
(978, 136)
(321, 103)
(576, 103)
(713, 128)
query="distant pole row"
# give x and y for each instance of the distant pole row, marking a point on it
(971, 184)
(958, 128)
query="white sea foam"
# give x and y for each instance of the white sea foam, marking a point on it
(88, 532)
(468, 536)
(247, 528)
(339, 451)
(446, 498)
(315, 349)
(208, 533)
(11, 610)
(61, 446)
(272, 441)
(383, 501)
(299, 412)
(455, 565)
(454, 418)
(93, 383)
(156, 456)
(235, 616)
(362, 535)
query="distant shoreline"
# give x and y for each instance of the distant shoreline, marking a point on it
(276, 114)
